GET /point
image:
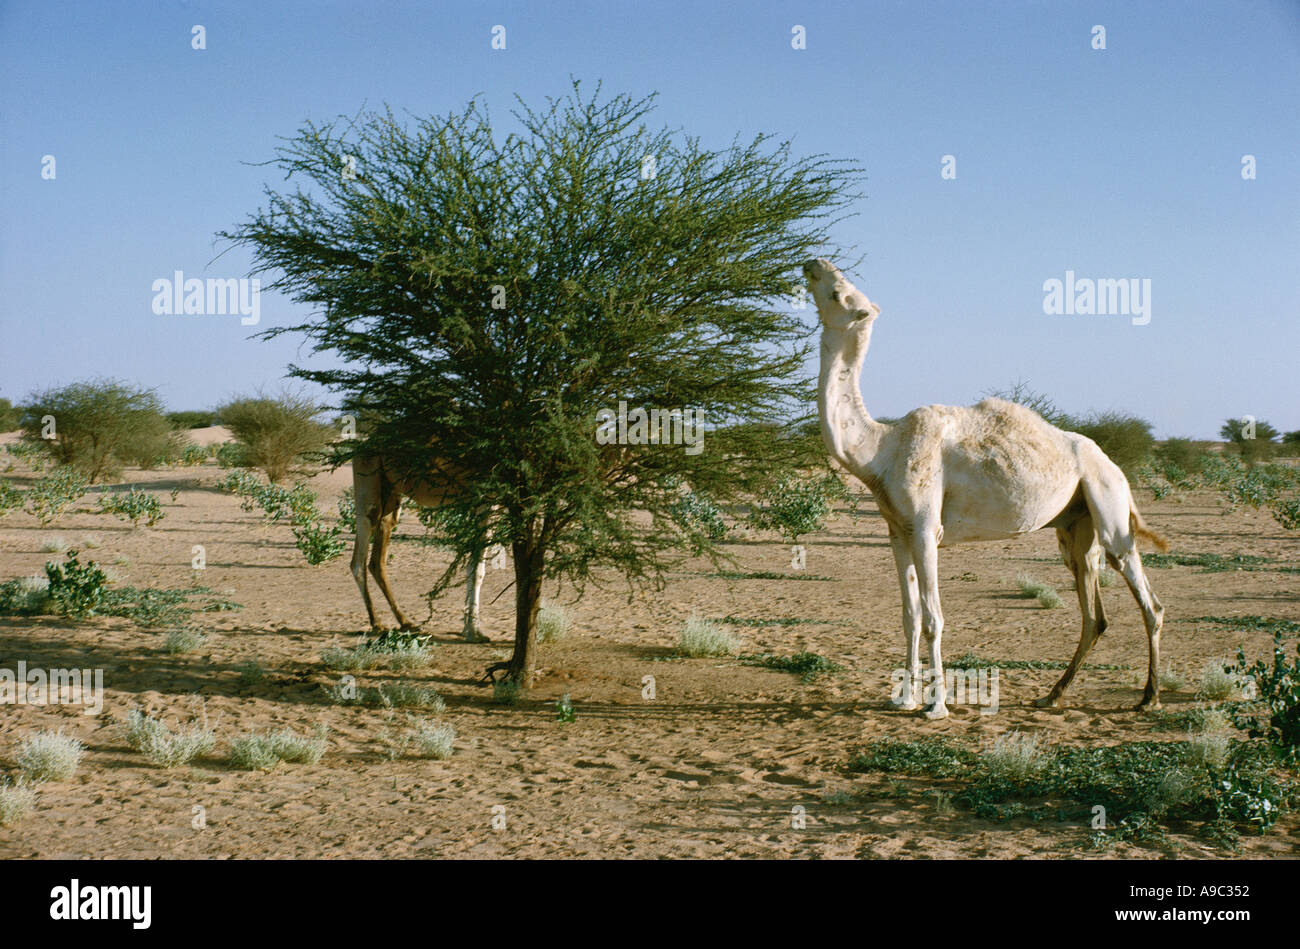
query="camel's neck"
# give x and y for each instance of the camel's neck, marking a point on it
(852, 436)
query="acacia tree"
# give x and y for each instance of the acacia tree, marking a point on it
(490, 294)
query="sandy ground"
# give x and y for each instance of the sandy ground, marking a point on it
(713, 766)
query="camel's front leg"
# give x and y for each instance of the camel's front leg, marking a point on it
(474, 574)
(925, 554)
(909, 698)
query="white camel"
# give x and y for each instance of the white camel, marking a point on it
(379, 494)
(943, 475)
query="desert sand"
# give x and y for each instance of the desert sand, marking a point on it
(713, 766)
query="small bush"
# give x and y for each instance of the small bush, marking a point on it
(1218, 684)
(11, 498)
(133, 506)
(25, 596)
(49, 756)
(256, 752)
(1274, 715)
(552, 623)
(433, 739)
(564, 709)
(186, 639)
(794, 507)
(77, 589)
(16, 801)
(411, 652)
(278, 432)
(54, 495)
(162, 746)
(187, 420)
(1044, 593)
(1015, 756)
(702, 637)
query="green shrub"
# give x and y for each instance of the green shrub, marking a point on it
(11, 498)
(99, 426)
(185, 420)
(52, 496)
(794, 507)
(700, 517)
(25, 596)
(434, 739)
(185, 640)
(279, 432)
(132, 505)
(233, 455)
(1277, 696)
(77, 589)
(1044, 593)
(807, 665)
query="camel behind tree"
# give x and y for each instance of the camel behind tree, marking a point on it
(943, 475)
(379, 493)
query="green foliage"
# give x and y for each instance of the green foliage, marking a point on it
(11, 498)
(1143, 784)
(53, 495)
(278, 432)
(454, 279)
(192, 455)
(1259, 447)
(1277, 688)
(77, 589)
(132, 505)
(233, 455)
(793, 506)
(297, 505)
(1044, 593)
(702, 637)
(564, 709)
(100, 426)
(9, 416)
(807, 665)
(1209, 563)
(25, 596)
(700, 519)
(552, 622)
(1180, 460)
(186, 420)
(1254, 622)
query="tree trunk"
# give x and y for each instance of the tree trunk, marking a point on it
(528, 597)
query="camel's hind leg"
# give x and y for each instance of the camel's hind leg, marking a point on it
(1110, 502)
(909, 698)
(1081, 551)
(367, 521)
(379, 557)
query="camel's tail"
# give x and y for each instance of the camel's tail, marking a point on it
(1140, 528)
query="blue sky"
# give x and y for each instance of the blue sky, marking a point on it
(1116, 163)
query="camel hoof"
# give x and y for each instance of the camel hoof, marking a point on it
(937, 714)
(1046, 701)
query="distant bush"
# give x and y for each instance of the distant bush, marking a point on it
(99, 426)
(278, 432)
(1126, 439)
(185, 420)
(163, 747)
(233, 455)
(9, 416)
(552, 623)
(1252, 446)
(1180, 460)
(1020, 393)
(49, 756)
(11, 498)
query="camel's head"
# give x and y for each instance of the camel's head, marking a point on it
(841, 305)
